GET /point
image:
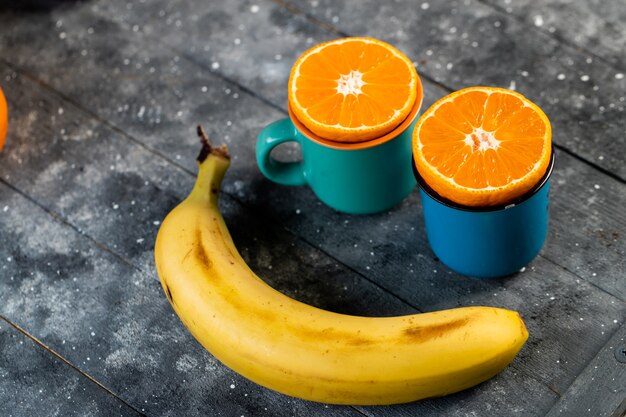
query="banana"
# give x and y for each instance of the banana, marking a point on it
(303, 351)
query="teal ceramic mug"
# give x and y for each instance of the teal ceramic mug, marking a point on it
(356, 178)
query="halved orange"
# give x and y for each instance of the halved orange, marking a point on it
(482, 146)
(352, 89)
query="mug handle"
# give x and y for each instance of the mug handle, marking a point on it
(272, 135)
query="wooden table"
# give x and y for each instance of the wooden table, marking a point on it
(104, 97)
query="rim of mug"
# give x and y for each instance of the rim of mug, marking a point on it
(368, 143)
(482, 209)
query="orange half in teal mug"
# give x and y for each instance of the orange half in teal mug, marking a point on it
(352, 107)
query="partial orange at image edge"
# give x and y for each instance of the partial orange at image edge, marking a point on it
(4, 119)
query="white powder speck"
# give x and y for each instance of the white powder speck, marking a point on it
(449, 65)
(560, 77)
(619, 76)
(474, 44)
(584, 78)
(93, 334)
(60, 111)
(522, 269)
(278, 57)
(232, 386)
(601, 157)
(425, 6)
(615, 321)
(62, 35)
(5, 209)
(115, 206)
(298, 211)
(497, 23)
(156, 222)
(512, 85)
(215, 65)
(254, 8)
(204, 89)
(140, 240)
(237, 41)
(596, 186)
(552, 298)
(538, 21)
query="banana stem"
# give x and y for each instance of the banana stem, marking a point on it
(212, 165)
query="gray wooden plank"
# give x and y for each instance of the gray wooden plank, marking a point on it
(596, 26)
(251, 42)
(163, 116)
(323, 220)
(600, 390)
(463, 42)
(291, 266)
(504, 396)
(34, 382)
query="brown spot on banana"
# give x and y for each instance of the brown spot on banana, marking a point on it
(420, 334)
(201, 255)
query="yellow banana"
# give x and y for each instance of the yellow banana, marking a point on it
(304, 351)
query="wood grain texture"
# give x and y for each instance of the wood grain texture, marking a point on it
(596, 26)
(600, 390)
(34, 382)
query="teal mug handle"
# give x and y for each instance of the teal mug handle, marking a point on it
(272, 135)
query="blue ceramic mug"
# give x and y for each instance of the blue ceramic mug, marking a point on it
(487, 242)
(356, 178)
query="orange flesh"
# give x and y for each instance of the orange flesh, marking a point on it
(483, 139)
(353, 89)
